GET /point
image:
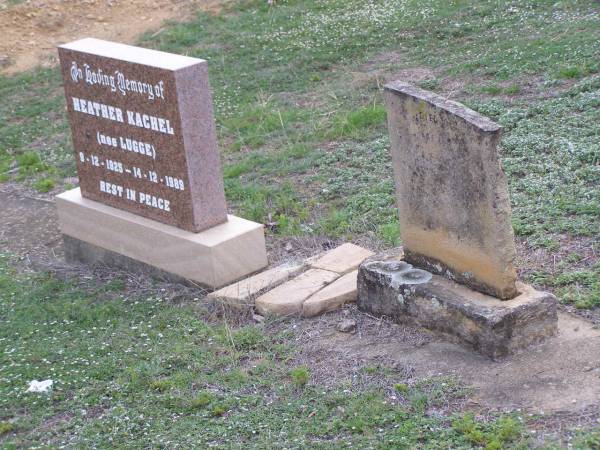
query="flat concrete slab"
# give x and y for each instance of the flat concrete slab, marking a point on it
(342, 259)
(244, 292)
(333, 296)
(287, 298)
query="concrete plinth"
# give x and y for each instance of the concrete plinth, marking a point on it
(95, 232)
(388, 286)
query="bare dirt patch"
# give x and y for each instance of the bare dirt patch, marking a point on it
(32, 29)
(560, 376)
(28, 226)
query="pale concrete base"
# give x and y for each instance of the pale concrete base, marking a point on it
(244, 292)
(287, 298)
(211, 258)
(390, 287)
(332, 296)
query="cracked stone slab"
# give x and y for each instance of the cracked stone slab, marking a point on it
(388, 286)
(287, 298)
(342, 259)
(245, 291)
(455, 216)
(332, 296)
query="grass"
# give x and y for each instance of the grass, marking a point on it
(297, 76)
(285, 100)
(141, 372)
(297, 93)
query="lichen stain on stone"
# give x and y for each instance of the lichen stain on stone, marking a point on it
(413, 276)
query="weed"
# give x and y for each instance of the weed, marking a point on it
(390, 233)
(357, 124)
(202, 400)
(44, 184)
(300, 376)
(492, 89)
(247, 338)
(513, 89)
(495, 435)
(401, 388)
(581, 288)
(160, 385)
(430, 84)
(219, 410)
(28, 159)
(587, 440)
(6, 427)
(418, 401)
(570, 72)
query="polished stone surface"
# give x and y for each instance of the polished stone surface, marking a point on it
(143, 132)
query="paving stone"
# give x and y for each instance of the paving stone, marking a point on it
(287, 298)
(332, 296)
(342, 259)
(245, 291)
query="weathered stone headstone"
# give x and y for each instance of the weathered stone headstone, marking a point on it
(455, 217)
(151, 193)
(455, 274)
(143, 132)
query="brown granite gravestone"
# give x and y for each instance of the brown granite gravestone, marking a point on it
(143, 132)
(151, 195)
(455, 216)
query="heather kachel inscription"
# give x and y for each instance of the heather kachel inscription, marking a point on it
(143, 132)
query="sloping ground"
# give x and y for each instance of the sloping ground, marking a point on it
(32, 29)
(562, 375)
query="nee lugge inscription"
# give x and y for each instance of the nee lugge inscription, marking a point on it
(143, 132)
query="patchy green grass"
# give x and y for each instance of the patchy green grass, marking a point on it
(582, 288)
(281, 82)
(303, 136)
(33, 126)
(140, 372)
(298, 58)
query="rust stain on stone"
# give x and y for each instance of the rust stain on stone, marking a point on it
(452, 194)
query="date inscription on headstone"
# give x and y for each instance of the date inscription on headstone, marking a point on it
(143, 132)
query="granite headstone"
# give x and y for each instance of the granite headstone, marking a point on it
(143, 132)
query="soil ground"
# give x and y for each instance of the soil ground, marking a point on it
(561, 376)
(32, 29)
(559, 381)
